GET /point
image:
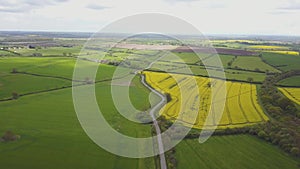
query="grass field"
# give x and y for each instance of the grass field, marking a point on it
(6, 53)
(241, 107)
(282, 61)
(252, 63)
(232, 152)
(233, 74)
(292, 93)
(50, 51)
(291, 81)
(51, 66)
(51, 136)
(22, 84)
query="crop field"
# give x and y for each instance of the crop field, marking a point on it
(6, 53)
(36, 101)
(225, 51)
(282, 61)
(241, 107)
(50, 51)
(266, 47)
(51, 66)
(11, 83)
(252, 63)
(191, 61)
(47, 123)
(292, 93)
(287, 52)
(291, 81)
(227, 152)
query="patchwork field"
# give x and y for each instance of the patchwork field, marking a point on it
(241, 107)
(292, 93)
(51, 136)
(188, 60)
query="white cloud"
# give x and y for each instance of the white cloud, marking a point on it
(209, 16)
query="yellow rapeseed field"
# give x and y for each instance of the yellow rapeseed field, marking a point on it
(241, 106)
(266, 47)
(284, 52)
(292, 93)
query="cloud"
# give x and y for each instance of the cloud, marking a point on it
(25, 5)
(96, 7)
(175, 1)
(290, 5)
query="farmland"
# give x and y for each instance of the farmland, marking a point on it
(238, 112)
(291, 81)
(282, 62)
(253, 63)
(36, 102)
(177, 62)
(227, 152)
(292, 93)
(50, 132)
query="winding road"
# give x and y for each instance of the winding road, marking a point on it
(155, 123)
(163, 101)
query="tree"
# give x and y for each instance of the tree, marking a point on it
(168, 97)
(250, 79)
(10, 136)
(14, 70)
(295, 151)
(284, 103)
(262, 134)
(15, 95)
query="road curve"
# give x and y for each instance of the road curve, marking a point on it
(163, 101)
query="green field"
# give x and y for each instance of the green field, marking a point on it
(232, 152)
(22, 84)
(252, 63)
(291, 81)
(282, 61)
(51, 135)
(6, 53)
(50, 132)
(50, 51)
(51, 66)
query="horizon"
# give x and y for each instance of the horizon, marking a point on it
(227, 35)
(210, 17)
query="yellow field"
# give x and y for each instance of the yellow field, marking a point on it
(266, 47)
(241, 106)
(292, 93)
(284, 52)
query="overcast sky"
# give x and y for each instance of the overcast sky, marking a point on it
(279, 17)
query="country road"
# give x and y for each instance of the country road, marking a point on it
(163, 101)
(155, 123)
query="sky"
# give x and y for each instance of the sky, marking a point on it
(268, 17)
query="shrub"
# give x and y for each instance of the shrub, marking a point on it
(14, 70)
(15, 95)
(10, 136)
